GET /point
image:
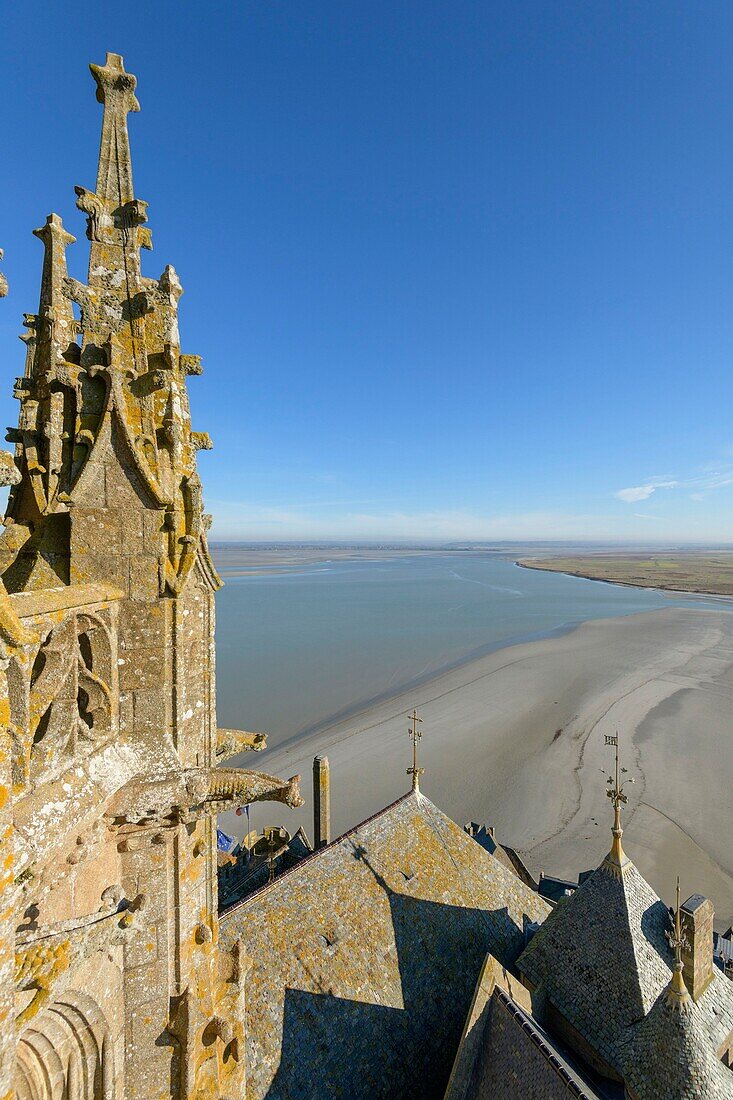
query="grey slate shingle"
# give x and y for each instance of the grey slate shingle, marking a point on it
(603, 961)
(365, 957)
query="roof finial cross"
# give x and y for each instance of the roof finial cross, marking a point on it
(616, 858)
(677, 990)
(415, 735)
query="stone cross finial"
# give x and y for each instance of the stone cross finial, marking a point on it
(113, 81)
(116, 90)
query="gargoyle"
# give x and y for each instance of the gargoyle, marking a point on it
(230, 742)
(200, 790)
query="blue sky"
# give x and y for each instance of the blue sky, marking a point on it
(457, 270)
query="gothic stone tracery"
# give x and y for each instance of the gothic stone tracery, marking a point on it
(109, 784)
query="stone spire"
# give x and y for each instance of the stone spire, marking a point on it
(42, 440)
(56, 324)
(115, 378)
(115, 297)
(3, 280)
(616, 861)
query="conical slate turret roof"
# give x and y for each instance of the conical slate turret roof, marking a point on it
(670, 1057)
(601, 957)
(602, 960)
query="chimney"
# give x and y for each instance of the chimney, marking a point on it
(697, 951)
(321, 802)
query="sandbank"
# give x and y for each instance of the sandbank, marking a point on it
(516, 739)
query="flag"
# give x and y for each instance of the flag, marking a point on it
(224, 842)
(245, 810)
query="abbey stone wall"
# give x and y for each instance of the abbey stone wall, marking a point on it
(112, 982)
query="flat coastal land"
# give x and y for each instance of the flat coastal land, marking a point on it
(249, 561)
(687, 571)
(516, 739)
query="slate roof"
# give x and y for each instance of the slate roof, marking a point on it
(554, 889)
(670, 1057)
(509, 857)
(365, 957)
(603, 961)
(236, 882)
(518, 1060)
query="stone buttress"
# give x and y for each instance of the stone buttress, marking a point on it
(111, 733)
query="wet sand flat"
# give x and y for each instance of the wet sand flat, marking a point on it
(516, 739)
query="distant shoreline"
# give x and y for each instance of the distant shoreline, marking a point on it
(610, 564)
(550, 565)
(268, 563)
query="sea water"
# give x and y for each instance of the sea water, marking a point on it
(298, 645)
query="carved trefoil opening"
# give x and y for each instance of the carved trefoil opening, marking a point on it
(64, 697)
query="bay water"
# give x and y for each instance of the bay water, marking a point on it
(300, 644)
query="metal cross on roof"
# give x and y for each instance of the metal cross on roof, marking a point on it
(616, 793)
(615, 789)
(677, 991)
(415, 735)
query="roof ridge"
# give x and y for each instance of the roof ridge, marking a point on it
(312, 856)
(466, 872)
(537, 1035)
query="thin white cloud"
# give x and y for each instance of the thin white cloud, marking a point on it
(710, 477)
(643, 492)
(715, 479)
(240, 521)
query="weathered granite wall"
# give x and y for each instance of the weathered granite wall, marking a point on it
(108, 781)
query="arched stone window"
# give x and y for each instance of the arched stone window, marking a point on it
(66, 1053)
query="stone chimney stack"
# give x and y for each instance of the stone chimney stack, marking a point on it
(697, 952)
(321, 802)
